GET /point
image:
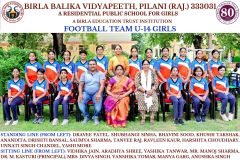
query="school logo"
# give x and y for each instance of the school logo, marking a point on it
(12, 12)
(227, 12)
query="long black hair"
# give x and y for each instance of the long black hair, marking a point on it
(133, 47)
(35, 54)
(17, 70)
(52, 51)
(69, 54)
(196, 68)
(237, 66)
(215, 50)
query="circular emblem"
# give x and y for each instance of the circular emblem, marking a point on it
(12, 12)
(227, 12)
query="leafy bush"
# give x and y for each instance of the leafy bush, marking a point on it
(13, 57)
(236, 59)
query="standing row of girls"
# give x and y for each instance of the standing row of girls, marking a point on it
(38, 78)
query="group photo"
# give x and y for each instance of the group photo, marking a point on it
(119, 82)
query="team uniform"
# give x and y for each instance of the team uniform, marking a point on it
(134, 67)
(183, 66)
(39, 89)
(223, 85)
(201, 64)
(164, 67)
(102, 64)
(178, 103)
(51, 70)
(153, 64)
(31, 71)
(64, 89)
(70, 69)
(81, 68)
(234, 80)
(213, 67)
(199, 87)
(14, 88)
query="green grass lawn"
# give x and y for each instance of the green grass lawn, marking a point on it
(209, 125)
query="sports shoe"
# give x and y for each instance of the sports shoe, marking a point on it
(85, 120)
(180, 121)
(230, 116)
(35, 120)
(40, 120)
(224, 117)
(198, 119)
(15, 123)
(55, 122)
(65, 122)
(176, 121)
(96, 121)
(203, 118)
(7, 123)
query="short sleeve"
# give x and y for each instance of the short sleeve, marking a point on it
(110, 65)
(102, 76)
(9, 84)
(44, 66)
(205, 66)
(22, 85)
(206, 85)
(227, 83)
(46, 85)
(70, 86)
(126, 64)
(73, 67)
(189, 64)
(180, 84)
(58, 87)
(76, 67)
(168, 84)
(34, 86)
(106, 64)
(214, 82)
(112, 81)
(25, 69)
(82, 78)
(191, 84)
(58, 67)
(157, 66)
(192, 66)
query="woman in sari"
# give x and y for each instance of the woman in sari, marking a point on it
(118, 89)
(146, 82)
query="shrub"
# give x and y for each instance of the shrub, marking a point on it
(13, 57)
(236, 59)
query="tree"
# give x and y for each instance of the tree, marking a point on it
(165, 39)
(26, 40)
(194, 38)
(229, 40)
(162, 39)
(139, 37)
(58, 45)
